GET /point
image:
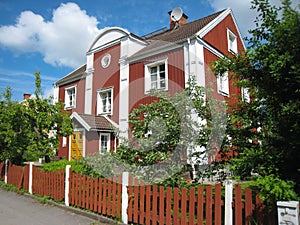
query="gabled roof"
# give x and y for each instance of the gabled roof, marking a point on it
(94, 123)
(187, 30)
(172, 38)
(74, 75)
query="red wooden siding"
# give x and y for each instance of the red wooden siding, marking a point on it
(176, 82)
(217, 37)
(80, 93)
(211, 81)
(106, 78)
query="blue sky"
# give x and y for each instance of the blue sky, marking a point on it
(52, 36)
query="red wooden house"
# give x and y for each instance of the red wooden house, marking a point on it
(122, 67)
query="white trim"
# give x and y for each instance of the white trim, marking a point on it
(169, 46)
(78, 76)
(147, 74)
(205, 30)
(210, 48)
(113, 42)
(99, 101)
(108, 135)
(80, 120)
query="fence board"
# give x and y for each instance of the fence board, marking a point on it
(218, 205)
(183, 205)
(176, 206)
(168, 206)
(142, 203)
(161, 207)
(154, 204)
(200, 200)
(192, 206)
(238, 205)
(148, 204)
(208, 205)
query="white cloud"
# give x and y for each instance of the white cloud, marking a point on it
(241, 9)
(63, 41)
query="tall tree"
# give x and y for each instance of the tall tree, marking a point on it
(266, 131)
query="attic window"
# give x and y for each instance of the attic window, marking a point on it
(232, 42)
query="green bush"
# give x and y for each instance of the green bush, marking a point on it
(272, 189)
(79, 166)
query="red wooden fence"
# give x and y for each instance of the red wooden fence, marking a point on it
(15, 174)
(2, 170)
(96, 194)
(152, 204)
(148, 204)
(49, 183)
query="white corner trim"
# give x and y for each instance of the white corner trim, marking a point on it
(80, 120)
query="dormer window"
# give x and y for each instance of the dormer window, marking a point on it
(156, 75)
(104, 101)
(70, 97)
(232, 42)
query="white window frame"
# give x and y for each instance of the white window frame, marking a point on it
(223, 84)
(67, 97)
(148, 81)
(100, 102)
(232, 42)
(108, 143)
(245, 94)
(64, 142)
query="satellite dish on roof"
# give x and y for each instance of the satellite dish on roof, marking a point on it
(176, 14)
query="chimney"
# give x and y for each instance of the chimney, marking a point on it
(26, 96)
(180, 22)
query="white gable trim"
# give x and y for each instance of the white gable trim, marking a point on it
(121, 34)
(80, 120)
(216, 21)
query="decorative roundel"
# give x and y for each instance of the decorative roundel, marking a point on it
(105, 61)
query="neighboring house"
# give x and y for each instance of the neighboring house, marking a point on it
(122, 67)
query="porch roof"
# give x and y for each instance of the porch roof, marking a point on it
(94, 123)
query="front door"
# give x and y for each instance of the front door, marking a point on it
(76, 145)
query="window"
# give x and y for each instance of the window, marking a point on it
(156, 75)
(70, 97)
(246, 94)
(104, 142)
(223, 84)
(105, 104)
(232, 42)
(64, 141)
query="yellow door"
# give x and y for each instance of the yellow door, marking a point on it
(76, 145)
